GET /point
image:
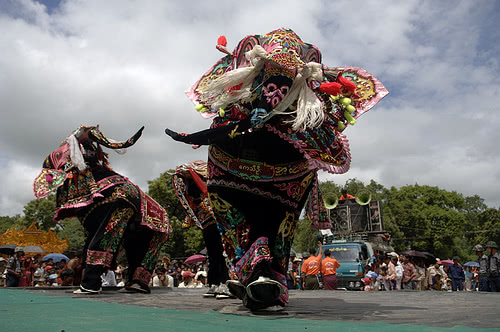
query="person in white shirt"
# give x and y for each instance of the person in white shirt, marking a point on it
(187, 280)
(399, 274)
(108, 279)
(162, 279)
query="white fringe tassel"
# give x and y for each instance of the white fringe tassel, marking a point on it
(75, 153)
(217, 94)
(309, 112)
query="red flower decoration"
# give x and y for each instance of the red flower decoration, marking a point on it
(348, 84)
(222, 41)
(331, 88)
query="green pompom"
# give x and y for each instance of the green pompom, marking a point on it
(204, 109)
(349, 118)
(199, 107)
(346, 101)
(350, 108)
(340, 125)
(221, 112)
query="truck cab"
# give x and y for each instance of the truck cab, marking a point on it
(352, 256)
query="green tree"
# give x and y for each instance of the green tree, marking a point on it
(354, 186)
(193, 240)
(41, 212)
(488, 227)
(425, 218)
(306, 238)
(7, 222)
(162, 190)
(182, 241)
(329, 187)
(72, 230)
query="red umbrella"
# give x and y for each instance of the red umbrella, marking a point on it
(195, 259)
(447, 262)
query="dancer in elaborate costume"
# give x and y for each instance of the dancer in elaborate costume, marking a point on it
(190, 187)
(278, 116)
(113, 211)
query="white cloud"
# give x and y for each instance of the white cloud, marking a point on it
(126, 65)
(17, 187)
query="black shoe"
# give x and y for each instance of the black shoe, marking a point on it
(264, 290)
(236, 288)
(211, 291)
(138, 288)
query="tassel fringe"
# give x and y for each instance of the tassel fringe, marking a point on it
(309, 113)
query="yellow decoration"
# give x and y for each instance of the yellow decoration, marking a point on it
(199, 107)
(33, 236)
(234, 132)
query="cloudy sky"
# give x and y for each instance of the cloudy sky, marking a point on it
(124, 64)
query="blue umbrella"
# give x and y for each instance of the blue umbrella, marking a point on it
(55, 257)
(473, 264)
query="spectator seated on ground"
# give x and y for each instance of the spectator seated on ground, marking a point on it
(201, 278)
(108, 278)
(368, 284)
(53, 280)
(162, 279)
(66, 277)
(187, 280)
(437, 282)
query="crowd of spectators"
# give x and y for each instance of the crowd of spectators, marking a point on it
(30, 271)
(173, 273)
(389, 272)
(19, 270)
(392, 272)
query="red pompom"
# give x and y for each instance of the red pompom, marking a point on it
(222, 41)
(346, 83)
(331, 88)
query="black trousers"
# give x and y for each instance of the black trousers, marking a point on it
(217, 269)
(12, 280)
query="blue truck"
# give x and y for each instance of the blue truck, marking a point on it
(357, 235)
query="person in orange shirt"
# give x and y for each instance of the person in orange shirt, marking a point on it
(311, 268)
(329, 268)
(344, 195)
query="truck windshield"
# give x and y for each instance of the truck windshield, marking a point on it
(345, 253)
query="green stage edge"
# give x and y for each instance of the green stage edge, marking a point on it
(21, 310)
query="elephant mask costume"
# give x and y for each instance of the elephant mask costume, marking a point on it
(278, 116)
(113, 211)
